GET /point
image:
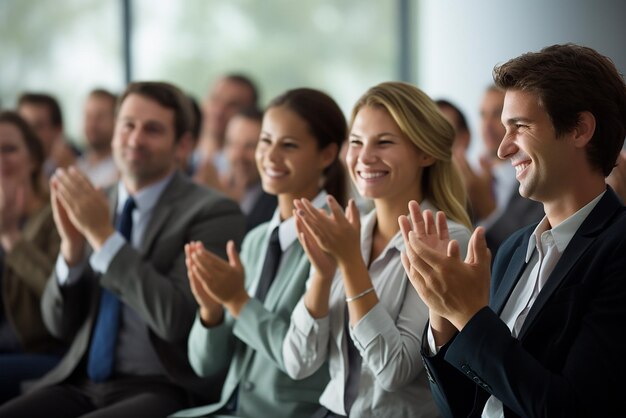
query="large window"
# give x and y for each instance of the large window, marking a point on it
(342, 47)
(68, 47)
(64, 48)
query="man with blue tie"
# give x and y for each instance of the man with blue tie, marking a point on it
(542, 335)
(120, 293)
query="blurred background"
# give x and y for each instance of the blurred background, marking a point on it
(447, 47)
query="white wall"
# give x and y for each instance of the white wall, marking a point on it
(460, 41)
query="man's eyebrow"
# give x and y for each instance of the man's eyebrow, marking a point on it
(512, 121)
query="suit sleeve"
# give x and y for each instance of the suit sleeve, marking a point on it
(210, 350)
(583, 376)
(65, 308)
(263, 330)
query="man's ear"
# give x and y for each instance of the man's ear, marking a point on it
(584, 129)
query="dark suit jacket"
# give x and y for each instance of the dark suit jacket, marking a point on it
(569, 360)
(262, 211)
(151, 279)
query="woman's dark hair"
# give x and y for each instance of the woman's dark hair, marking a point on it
(327, 124)
(33, 144)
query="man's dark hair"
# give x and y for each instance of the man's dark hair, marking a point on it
(247, 82)
(168, 96)
(252, 113)
(105, 94)
(43, 99)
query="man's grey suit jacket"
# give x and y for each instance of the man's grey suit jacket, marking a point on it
(151, 279)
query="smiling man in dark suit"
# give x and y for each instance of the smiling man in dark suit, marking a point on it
(120, 292)
(547, 338)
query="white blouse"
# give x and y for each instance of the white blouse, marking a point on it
(393, 381)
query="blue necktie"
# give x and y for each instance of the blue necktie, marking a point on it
(102, 349)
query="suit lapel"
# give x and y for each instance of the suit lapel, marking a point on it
(511, 277)
(113, 196)
(162, 210)
(588, 232)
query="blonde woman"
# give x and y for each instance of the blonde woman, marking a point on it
(359, 314)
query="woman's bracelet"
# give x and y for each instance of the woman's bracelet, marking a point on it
(360, 295)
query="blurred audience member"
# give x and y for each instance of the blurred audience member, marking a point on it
(242, 181)
(29, 243)
(97, 161)
(227, 96)
(43, 113)
(461, 129)
(184, 156)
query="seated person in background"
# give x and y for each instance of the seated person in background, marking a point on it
(495, 202)
(228, 94)
(29, 244)
(544, 335)
(462, 136)
(43, 114)
(245, 304)
(120, 294)
(98, 125)
(360, 318)
(184, 156)
(242, 181)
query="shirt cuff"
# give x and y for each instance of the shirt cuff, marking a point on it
(432, 347)
(101, 259)
(67, 275)
(305, 323)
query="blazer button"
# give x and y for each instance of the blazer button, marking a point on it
(248, 386)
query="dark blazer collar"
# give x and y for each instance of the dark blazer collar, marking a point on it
(513, 272)
(598, 220)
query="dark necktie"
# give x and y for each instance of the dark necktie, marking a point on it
(102, 349)
(270, 266)
(351, 390)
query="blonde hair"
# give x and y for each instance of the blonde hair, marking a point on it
(421, 121)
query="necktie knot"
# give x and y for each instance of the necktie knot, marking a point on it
(125, 219)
